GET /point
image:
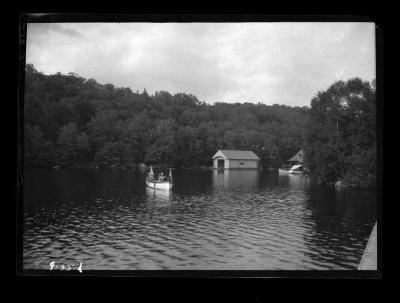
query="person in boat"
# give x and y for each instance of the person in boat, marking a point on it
(161, 177)
(150, 176)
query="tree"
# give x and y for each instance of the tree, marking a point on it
(37, 150)
(84, 123)
(340, 139)
(162, 150)
(72, 145)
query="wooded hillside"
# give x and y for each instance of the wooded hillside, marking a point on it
(75, 122)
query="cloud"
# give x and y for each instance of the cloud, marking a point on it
(284, 63)
(66, 31)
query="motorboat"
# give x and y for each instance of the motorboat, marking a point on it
(160, 182)
(296, 169)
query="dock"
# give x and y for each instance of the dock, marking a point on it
(369, 259)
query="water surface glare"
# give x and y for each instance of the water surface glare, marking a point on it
(211, 220)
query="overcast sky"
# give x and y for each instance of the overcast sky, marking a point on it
(285, 63)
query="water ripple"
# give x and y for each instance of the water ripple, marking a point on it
(243, 221)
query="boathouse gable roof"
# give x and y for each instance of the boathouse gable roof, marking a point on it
(236, 154)
(299, 157)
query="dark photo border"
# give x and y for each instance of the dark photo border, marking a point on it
(85, 17)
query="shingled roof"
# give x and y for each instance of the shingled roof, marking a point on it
(238, 154)
(299, 157)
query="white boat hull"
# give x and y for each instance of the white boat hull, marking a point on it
(296, 169)
(159, 185)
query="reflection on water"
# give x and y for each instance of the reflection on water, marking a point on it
(157, 195)
(294, 181)
(230, 219)
(339, 221)
(235, 178)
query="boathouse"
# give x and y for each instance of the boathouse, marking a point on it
(235, 159)
(297, 158)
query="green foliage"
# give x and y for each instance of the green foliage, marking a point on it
(341, 135)
(37, 150)
(73, 146)
(71, 121)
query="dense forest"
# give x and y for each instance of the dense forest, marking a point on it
(340, 141)
(70, 121)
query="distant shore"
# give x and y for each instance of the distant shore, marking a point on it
(139, 167)
(338, 185)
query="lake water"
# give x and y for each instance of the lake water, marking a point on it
(242, 220)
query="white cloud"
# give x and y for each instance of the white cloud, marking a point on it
(284, 63)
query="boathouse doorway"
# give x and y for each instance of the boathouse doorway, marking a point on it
(221, 163)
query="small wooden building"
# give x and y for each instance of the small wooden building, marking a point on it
(297, 158)
(235, 159)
